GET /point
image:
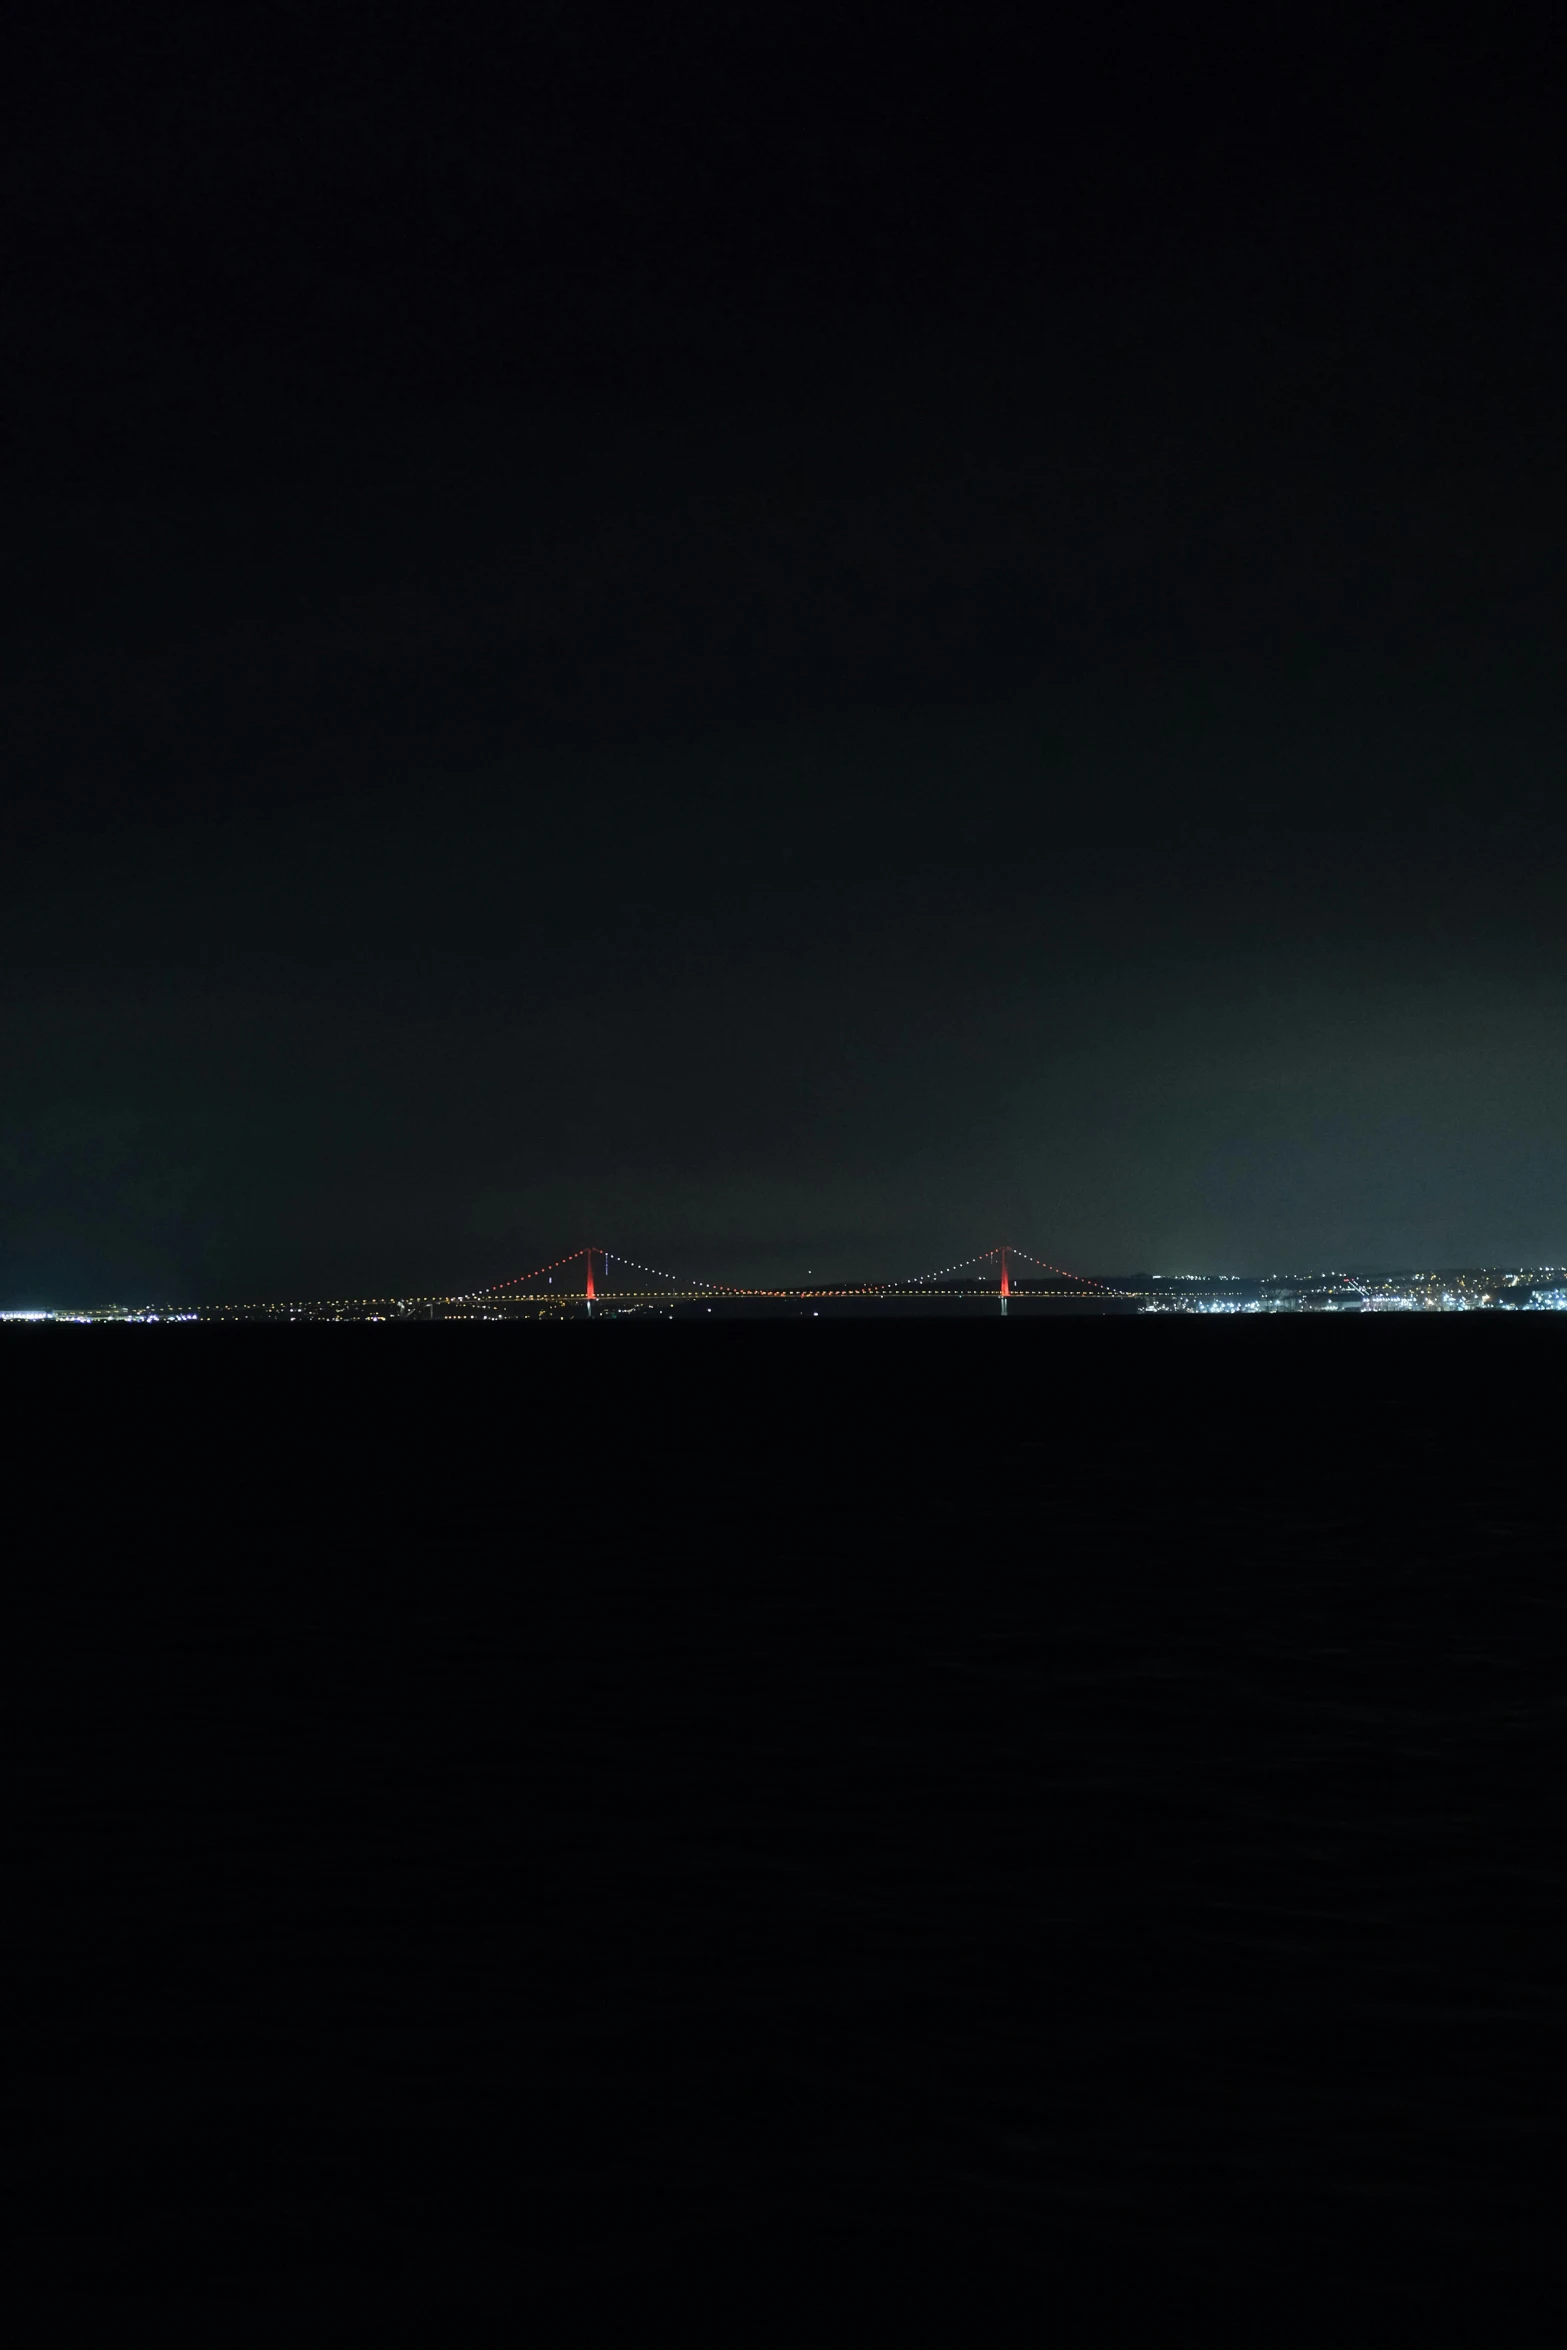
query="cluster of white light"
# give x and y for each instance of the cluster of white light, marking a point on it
(1352, 1296)
(103, 1314)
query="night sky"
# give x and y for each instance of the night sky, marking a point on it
(777, 638)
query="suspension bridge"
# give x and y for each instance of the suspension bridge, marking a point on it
(594, 1281)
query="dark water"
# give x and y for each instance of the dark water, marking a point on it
(785, 1833)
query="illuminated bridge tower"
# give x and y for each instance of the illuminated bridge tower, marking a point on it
(1006, 1286)
(590, 1284)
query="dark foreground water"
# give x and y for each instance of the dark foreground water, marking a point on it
(785, 1834)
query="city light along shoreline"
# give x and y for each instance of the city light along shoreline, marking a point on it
(569, 1290)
